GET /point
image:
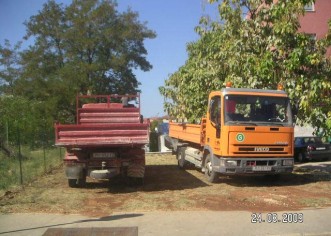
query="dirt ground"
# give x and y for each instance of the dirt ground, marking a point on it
(168, 188)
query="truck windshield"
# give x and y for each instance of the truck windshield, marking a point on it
(257, 110)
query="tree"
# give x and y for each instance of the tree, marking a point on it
(255, 53)
(10, 71)
(87, 46)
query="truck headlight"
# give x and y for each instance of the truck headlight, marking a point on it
(288, 162)
(231, 163)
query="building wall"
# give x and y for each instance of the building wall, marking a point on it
(316, 21)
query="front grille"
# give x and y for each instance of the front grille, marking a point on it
(260, 149)
(252, 149)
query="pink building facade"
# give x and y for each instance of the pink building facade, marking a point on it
(315, 21)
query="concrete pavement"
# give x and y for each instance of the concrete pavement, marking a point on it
(315, 222)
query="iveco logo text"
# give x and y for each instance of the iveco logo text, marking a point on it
(281, 143)
(261, 149)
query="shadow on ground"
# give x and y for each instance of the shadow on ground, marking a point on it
(169, 177)
(157, 178)
(303, 174)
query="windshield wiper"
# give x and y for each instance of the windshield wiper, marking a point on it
(271, 124)
(241, 123)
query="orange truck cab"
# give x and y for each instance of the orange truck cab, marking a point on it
(245, 132)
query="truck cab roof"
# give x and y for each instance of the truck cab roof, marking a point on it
(253, 91)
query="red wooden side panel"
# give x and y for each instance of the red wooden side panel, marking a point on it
(102, 135)
(104, 124)
(93, 115)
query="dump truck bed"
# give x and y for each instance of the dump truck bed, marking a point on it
(187, 132)
(101, 135)
(104, 124)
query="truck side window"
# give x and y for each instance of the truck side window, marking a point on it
(215, 109)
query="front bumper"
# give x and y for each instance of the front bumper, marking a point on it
(253, 166)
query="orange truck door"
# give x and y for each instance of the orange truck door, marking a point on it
(213, 132)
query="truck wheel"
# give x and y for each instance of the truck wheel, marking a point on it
(274, 177)
(181, 158)
(136, 181)
(211, 175)
(72, 183)
(78, 183)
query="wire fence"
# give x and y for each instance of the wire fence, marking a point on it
(26, 154)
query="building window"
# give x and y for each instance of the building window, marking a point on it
(310, 7)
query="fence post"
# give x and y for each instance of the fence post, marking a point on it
(20, 154)
(44, 146)
(7, 133)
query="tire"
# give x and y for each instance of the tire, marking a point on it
(274, 177)
(301, 157)
(73, 183)
(136, 181)
(77, 183)
(182, 163)
(211, 175)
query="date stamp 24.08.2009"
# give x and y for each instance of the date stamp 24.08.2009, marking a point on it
(277, 218)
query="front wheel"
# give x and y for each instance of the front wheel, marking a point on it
(182, 163)
(211, 175)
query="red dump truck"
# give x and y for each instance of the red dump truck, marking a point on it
(107, 140)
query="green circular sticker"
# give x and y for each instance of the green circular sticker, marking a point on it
(240, 137)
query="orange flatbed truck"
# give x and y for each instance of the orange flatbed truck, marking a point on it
(245, 132)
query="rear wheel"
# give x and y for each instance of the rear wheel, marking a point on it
(211, 175)
(136, 181)
(72, 183)
(301, 157)
(77, 183)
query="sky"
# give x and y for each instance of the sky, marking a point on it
(172, 20)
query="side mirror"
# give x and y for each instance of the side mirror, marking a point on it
(295, 110)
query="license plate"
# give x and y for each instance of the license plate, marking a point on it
(261, 168)
(104, 155)
(320, 148)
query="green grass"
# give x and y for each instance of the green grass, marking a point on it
(34, 163)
